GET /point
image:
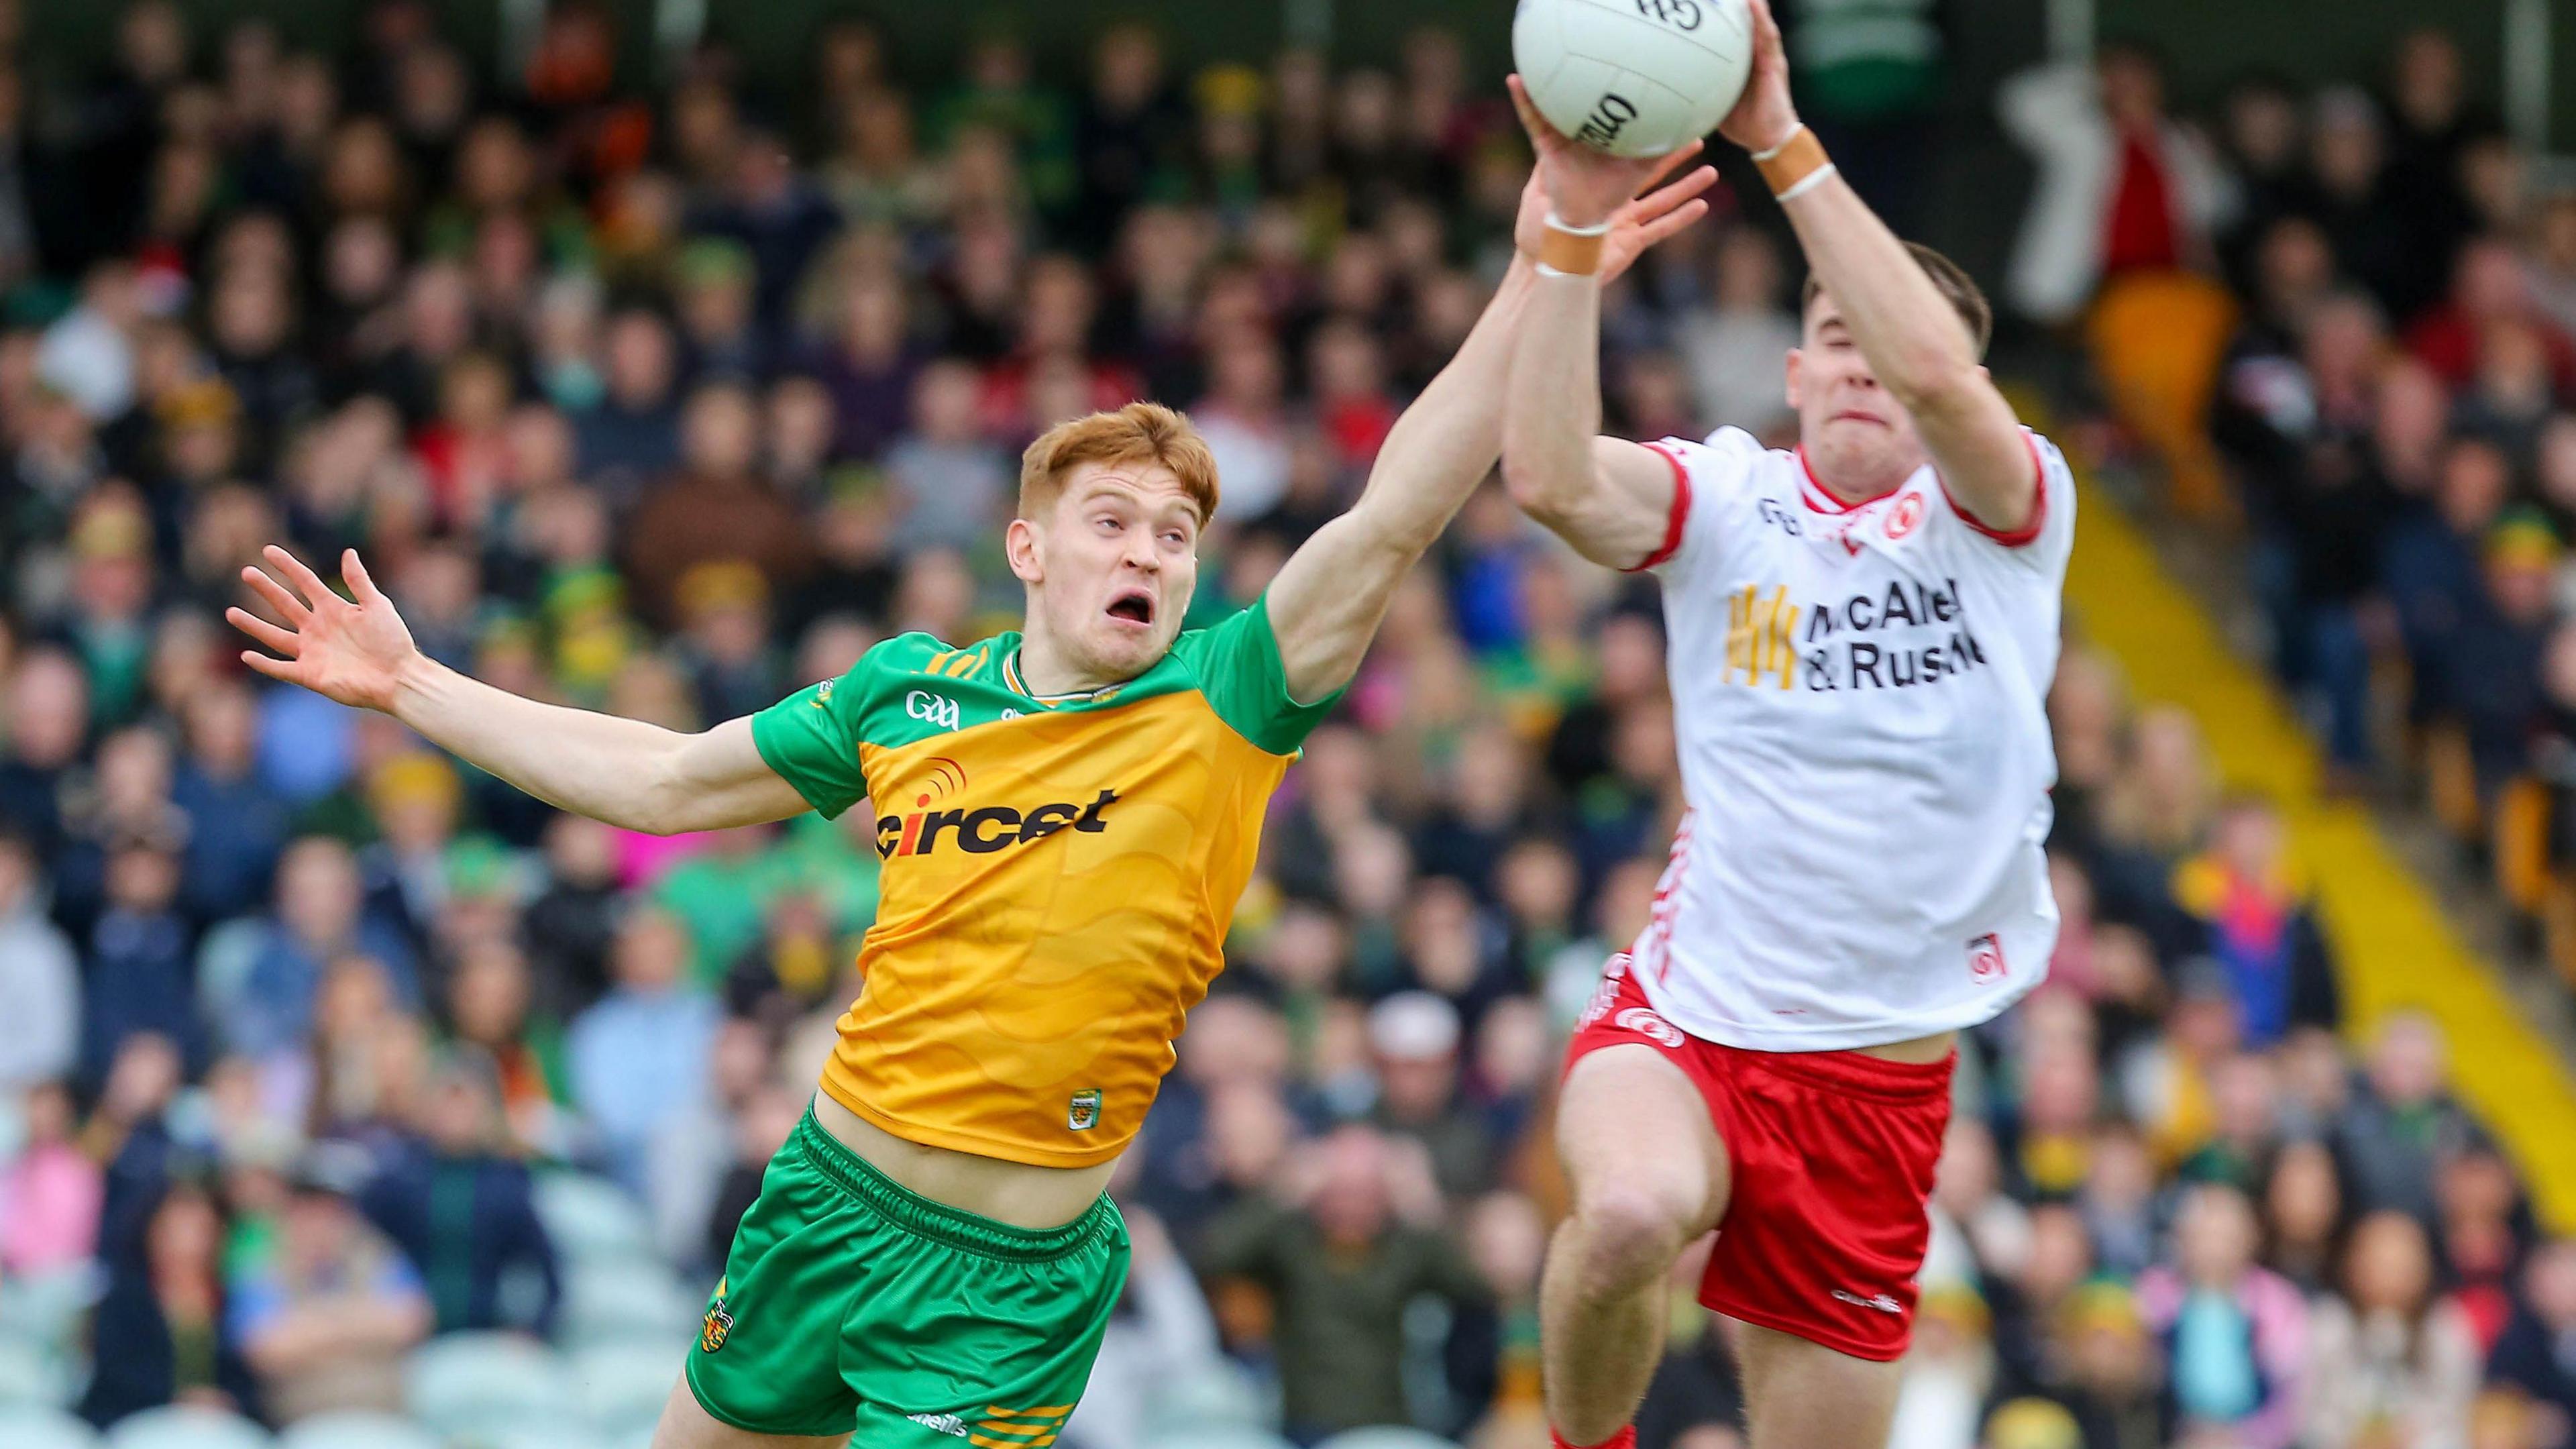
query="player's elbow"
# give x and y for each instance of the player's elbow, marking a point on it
(1937, 381)
(1547, 494)
(661, 800)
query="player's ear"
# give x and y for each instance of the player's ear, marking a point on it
(1020, 544)
(1796, 356)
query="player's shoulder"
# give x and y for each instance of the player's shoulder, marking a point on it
(1727, 455)
(921, 654)
(2046, 536)
(1198, 649)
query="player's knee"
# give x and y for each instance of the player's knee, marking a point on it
(1626, 1235)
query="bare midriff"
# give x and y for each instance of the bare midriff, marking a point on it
(1921, 1049)
(1015, 1193)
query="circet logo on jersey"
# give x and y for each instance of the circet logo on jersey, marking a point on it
(1902, 518)
(1646, 1023)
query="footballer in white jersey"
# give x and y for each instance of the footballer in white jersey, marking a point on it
(1862, 633)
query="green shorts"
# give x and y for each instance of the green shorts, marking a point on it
(850, 1304)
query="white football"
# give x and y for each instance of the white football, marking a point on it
(1633, 77)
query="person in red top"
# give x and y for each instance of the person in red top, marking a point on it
(2488, 288)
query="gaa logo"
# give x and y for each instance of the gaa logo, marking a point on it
(1083, 1112)
(1647, 1024)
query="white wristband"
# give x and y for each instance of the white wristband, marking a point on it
(1558, 223)
(1761, 156)
(1806, 183)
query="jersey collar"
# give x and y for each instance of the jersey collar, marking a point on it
(1017, 683)
(1821, 499)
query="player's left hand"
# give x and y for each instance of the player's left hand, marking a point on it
(1635, 226)
(1763, 116)
(1585, 185)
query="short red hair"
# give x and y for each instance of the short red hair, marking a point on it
(1141, 432)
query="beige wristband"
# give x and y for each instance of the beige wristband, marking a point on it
(1571, 251)
(1792, 161)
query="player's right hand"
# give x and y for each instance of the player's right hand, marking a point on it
(1764, 116)
(1635, 226)
(1586, 186)
(353, 650)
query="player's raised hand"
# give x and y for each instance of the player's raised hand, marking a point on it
(1638, 224)
(1764, 116)
(351, 649)
(1584, 184)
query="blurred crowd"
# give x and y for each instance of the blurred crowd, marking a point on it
(2358, 310)
(667, 404)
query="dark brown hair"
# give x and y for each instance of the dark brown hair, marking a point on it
(1956, 285)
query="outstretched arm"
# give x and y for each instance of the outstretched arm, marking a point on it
(642, 777)
(1610, 498)
(1914, 342)
(1330, 596)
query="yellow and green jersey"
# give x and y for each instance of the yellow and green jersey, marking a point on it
(1058, 875)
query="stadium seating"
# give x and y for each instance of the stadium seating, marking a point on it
(1211, 1438)
(471, 1385)
(181, 1427)
(621, 1386)
(592, 1219)
(627, 1299)
(32, 1426)
(357, 1431)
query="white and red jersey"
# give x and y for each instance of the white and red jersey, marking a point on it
(1860, 698)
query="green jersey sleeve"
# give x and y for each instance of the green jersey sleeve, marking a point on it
(811, 738)
(1236, 662)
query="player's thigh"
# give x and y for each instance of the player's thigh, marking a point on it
(1633, 1129)
(1801, 1395)
(685, 1424)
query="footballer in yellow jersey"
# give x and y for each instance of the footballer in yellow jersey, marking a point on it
(1067, 815)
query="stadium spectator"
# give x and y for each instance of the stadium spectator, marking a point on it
(464, 1215)
(639, 1056)
(2390, 1358)
(324, 1313)
(2123, 186)
(1344, 1248)
(40, 978)
(165, 1310)
(2236, 1336)
(662, 401)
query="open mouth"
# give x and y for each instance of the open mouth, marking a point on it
(1134, 606)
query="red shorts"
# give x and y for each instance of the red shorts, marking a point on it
(1831, 1157)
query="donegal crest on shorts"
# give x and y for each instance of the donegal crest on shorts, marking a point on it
(711, 1335)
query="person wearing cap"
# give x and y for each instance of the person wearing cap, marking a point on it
(715, 281)
(1414, 1036)
(327, 1313)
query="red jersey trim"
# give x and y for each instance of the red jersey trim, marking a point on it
(1680, 515)
(2028, 533)
(1822, 499)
